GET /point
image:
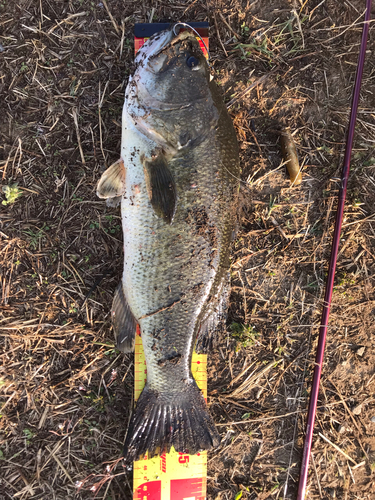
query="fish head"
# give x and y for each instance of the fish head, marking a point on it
(169, 95)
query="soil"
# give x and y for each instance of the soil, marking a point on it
(65, 391)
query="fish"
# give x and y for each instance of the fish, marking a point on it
(178, 181)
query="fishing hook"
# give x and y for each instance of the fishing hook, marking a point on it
(195, 31)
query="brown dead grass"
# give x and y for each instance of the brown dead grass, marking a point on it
(65, 391)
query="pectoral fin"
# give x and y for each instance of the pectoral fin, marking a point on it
(112, 182)
(161, 187)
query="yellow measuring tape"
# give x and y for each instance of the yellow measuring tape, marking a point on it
(172, 476)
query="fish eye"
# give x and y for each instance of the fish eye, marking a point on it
(192, 62)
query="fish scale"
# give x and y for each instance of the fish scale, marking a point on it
(172, 265)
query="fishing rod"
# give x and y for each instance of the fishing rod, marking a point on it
(332, 263)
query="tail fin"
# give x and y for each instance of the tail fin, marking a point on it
(162, 420)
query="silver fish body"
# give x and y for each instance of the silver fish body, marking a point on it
(179, 185)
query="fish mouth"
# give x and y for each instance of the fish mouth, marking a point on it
(149, 61)
(162, 41)
(152, 54)
(154, 45)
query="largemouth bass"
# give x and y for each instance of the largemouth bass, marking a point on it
(178, 183)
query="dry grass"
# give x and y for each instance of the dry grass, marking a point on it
(65, 392)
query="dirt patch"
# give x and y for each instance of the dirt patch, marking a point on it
(65, 391)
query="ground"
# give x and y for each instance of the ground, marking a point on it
(66, 392)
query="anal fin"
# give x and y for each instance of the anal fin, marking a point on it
(123, 321)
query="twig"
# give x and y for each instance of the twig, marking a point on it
(279, 228)
(361, 464)
(111, 17)
(248, 89)
(218, 35)
(317, 476)
(244, 295)
(350, 26)
(228, 25)
(100, 104)
(122, 37)
(351, 416)
(6, 164)
(314, 9)
(249, 382)
(261, 419)
(75, 118)
(337, 448)
(61, 465)
(299, 27)
(189, 6)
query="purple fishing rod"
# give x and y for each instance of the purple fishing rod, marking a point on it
(332, 263)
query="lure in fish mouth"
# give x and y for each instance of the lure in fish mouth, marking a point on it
(177, 181)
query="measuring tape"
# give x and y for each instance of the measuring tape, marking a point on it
(171, 476)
